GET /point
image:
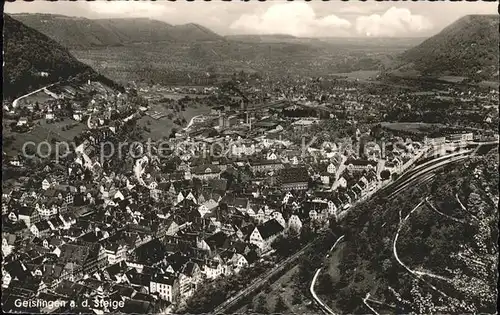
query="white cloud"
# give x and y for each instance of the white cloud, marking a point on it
(365, 8)
(297, 19)
(130, 8)
(394, 22)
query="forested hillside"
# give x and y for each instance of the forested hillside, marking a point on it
(468, 47)
(33, 60)
(432, 249)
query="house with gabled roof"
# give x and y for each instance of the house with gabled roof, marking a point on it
(214, 267)
(8, 243)
(40, 229)
(263, 235)
(189, 278)
(294, 178)
(216, 241)
(294, 224)
(29, 215)
(206, 171)
(166, 285)
(238, 262)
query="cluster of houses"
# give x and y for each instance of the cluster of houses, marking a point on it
(148, 236)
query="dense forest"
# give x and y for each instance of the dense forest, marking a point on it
(33, 60)
(468, 47)
(435, 239)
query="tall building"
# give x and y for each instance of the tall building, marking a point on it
(224, 121)
(222, 117)
(381, 144)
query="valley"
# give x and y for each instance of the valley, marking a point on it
(153, 167)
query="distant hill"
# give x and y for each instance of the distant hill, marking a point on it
(468, 47)
(81, 33)
(149, 50)
(193, 32)
(271, 38)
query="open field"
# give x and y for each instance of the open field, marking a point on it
(13, 142)
(178, 96)
(69, 134)
(39, 97)
(156, 129)
(452, 79)
(192, 111)
(359, 75)
(416, 127)
(41, 132)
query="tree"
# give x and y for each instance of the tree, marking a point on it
(385, 174)
(173, 132)
(280, 306)
(348, 300)
(325, 283)
(296, 299)
(261, 307)
(282, 245)
(305, 270)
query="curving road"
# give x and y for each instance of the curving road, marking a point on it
(323, 306)
(420, 174)
(433, 208)
(14, 103)
(417, 274)
(423, 172)
(191, 121)
(365, 301)
(465, 209)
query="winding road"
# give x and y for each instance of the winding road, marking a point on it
(323, 306)
(14, 103)
(418, 175)
(415, 273)
(443, 214)
(191, 121)
(365, 301)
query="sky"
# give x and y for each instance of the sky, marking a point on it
(298, 18)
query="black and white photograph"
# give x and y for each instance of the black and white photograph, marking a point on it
(250, 157)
